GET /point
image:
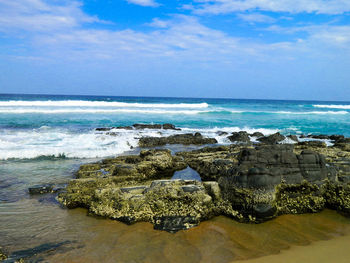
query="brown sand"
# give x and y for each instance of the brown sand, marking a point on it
(334, 250)
(289, 238)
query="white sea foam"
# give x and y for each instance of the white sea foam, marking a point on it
(332, 106)
(96, 111)
(84, 103)
(90, 144)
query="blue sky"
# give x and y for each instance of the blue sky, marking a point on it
(273, 49)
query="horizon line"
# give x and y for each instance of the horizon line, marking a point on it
(164, 97)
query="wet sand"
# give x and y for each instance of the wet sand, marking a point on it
(334, 250)
(219, 240)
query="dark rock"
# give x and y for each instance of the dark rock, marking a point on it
(168, 126)
(343, 140)
(336, 137)
(221, 133)
(319, 144)
(257, 134)
(263, 212)
(272, 139)
(241, 136)
(175, 223)
(319, 136)
(293, 137)
(124, 128)
(186, 139)
(126, 219)
(139, 126)
(31, 254)
(41, 189)
(104, 129)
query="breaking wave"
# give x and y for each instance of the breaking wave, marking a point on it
(84, 103)
(335, 106)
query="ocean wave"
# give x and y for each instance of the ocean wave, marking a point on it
(53, 143)
(224, 111)
(312, 112)
(84, 103)
(334, 106)
(97, 111)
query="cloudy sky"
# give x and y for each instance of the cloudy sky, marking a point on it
(273, 49)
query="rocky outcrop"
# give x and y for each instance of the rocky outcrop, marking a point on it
(272, 139)
(242, 137)
(185, 139)
(257, 134)
(120, 171)
(170, 205)
(213, 162)
(249, 184)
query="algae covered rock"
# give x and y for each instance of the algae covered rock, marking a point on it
(338, 197)
(249, 184)
(2, 255)
(213, 162)
(150, 164)
(119, 171)
(170, 205)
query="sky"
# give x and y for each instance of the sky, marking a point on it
(258, 49)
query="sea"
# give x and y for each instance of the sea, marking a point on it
(45, 138)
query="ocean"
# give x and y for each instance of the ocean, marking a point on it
(52, 125)
(45, 138)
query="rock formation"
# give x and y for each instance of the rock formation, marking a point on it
(247, 183)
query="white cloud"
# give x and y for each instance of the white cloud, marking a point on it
(256, 18)
(37, 15)
(144, 2)
(290, 6)
(57, 32)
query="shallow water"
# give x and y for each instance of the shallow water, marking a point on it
(60, 235)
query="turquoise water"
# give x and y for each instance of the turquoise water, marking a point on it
(34, 125)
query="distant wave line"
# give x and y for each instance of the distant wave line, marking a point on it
(345, 107)
(312, 112)
(278, 112)
(156, 111)
(83, 103)
(64, 111)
